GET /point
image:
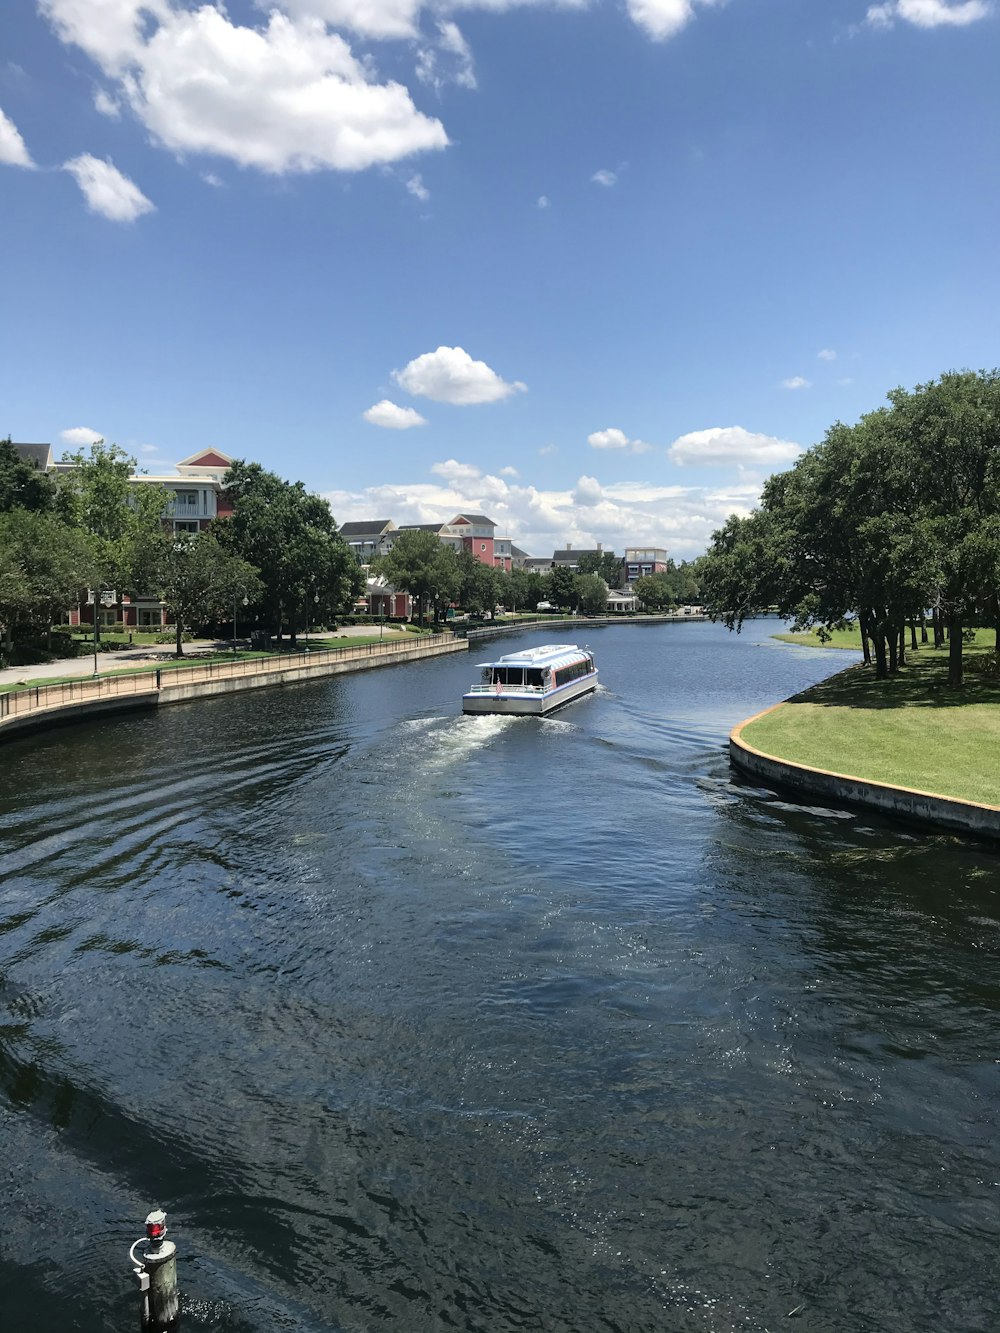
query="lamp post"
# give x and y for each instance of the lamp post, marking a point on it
(246, 602)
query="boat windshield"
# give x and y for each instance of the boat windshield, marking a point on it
(514, 676)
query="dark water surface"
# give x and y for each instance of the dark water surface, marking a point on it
(414, 1021)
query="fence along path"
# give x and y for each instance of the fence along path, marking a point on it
(40, 698)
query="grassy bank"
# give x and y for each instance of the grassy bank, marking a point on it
(838, 638)
(911, 731)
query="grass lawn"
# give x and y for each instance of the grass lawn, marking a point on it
(910, 731)
(839, 638)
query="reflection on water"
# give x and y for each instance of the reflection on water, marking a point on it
(417, 1021)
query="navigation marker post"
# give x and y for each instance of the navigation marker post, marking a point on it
(156, 1273)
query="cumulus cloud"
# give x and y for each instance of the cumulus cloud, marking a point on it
(605, 178)
(613, 438)
(286, 97)
(796, 382)
(543, 201)
(617, 514)
(927, 13)
(827, 354)
(82, 435)
(453, 471)
(106, 190)
(732, 444)
(661, 19)
(392, 417)
(587, 492)
(450, 375)
(12, 149)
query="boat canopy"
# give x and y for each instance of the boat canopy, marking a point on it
(552, 655)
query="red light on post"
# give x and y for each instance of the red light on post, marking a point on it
(156, 1226)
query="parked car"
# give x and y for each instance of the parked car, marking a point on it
(545, 606)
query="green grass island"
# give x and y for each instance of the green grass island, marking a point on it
(910, 731)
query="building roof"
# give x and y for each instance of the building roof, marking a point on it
(365, 527)
(473, 518)
(571, 556)
(38, 454)
(210, 458)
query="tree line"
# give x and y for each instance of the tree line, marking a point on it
(95, 526)
(893, 522)
(438, 576)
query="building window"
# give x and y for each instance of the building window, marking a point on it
(185, 525)
(482, 546)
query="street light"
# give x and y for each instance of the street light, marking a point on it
(246, 602)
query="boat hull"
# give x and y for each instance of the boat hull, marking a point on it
(515, 704)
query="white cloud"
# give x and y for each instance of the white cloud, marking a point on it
(448, 62)
(286, 97)
(106, 190)
(827, 354)
(613, 438)
(450, 375)
(392, 417)
(106, 104)
(456, 472)
(605, 178)
(210, 178)
(927, 13)
(660, 19)
(12, 149)
(732, 444)
(417, 188)
(796, 382)
(372, 18)
(80, 435)
(543, 201)
(587, 492)
(617, 514)
(509, 472)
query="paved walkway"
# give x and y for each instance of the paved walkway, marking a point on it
(155, 654)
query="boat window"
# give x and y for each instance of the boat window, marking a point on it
(535, 677)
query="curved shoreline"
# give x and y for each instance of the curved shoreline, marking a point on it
(845, 789)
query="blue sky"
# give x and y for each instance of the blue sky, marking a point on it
(594, 269)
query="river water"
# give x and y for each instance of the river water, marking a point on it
(417, 1022)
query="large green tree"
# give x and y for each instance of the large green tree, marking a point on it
(43, 564)
(201, 582)
(591, 594)
(605, 563)
(307, 570)
(122, 520)
(422, 565)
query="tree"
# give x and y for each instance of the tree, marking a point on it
(43, 563)
(202, 582)
(422, 565)
(524, 589)
(562, 587)
(655, 591)
(291, 538)
(605, 563)
(592, 594)
(22, 486)
(123, 521)
(480, 587)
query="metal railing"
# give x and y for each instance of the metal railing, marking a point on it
(93, 689)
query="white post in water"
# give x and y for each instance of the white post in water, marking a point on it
(156, 1270)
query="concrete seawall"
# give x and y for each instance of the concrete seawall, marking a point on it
(926, 808)
(154, 689)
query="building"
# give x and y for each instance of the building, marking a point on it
(643, 560)
(370, 538)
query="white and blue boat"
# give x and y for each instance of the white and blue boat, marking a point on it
(533, 682)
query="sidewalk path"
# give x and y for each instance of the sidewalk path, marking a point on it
(153, 655)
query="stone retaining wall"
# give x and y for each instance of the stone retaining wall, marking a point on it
(843, 789)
